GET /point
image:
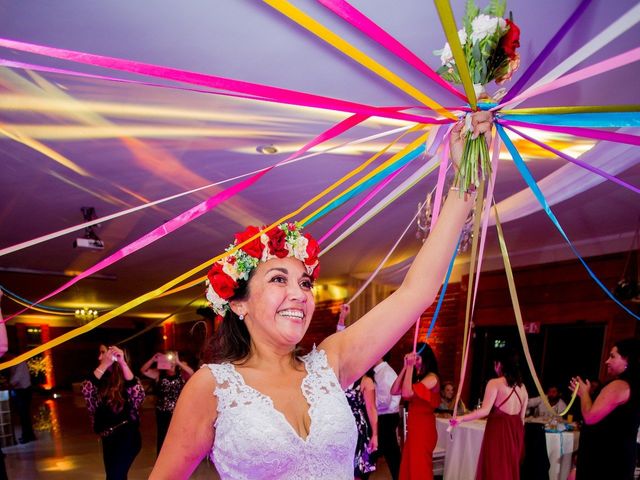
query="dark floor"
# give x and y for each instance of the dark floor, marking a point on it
(66, 447)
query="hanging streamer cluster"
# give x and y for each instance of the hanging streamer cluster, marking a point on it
(582, 121)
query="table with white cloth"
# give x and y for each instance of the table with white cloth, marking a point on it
(462, 447)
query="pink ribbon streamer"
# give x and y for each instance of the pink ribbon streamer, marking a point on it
(73, 73)
(485, 217)
(197, 211)
(362, 203)
(356, 18)
(264, 91)
(442, 174)
(630, 56)
(577, 131)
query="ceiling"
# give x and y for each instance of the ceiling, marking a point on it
(69, 141)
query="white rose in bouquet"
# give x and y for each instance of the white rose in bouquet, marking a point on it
(484, 25)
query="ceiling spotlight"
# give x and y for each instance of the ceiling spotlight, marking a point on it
(266, 149)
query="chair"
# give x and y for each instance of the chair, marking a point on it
(438, 460)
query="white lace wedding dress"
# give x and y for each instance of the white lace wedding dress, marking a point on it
(255, 441)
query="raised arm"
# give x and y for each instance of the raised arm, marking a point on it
(188, 371)
(406, 387)
(355, 349)
(149, 372)
(396, 387)
(191, 433)
(119, 357)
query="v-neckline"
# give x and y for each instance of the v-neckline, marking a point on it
(269, 401)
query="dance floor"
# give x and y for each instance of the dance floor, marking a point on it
(66, 448)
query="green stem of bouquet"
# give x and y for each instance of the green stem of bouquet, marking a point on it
(475, 164)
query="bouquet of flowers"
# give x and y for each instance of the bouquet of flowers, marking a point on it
(489, 43)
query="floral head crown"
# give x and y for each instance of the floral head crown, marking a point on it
(285, 240)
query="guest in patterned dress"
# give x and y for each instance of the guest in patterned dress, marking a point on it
(114, 396)
(170, 375)
(362, 400)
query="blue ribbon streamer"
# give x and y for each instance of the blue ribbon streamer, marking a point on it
(442, 293)
(531, 183)
(600, 119)
(39, 305)
(402, 161)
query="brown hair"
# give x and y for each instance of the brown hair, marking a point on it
(231, 341)
(111, 389)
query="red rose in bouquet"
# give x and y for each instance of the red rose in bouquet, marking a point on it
(254, 247)
(221, 283)
(511, 40)
(277, 243)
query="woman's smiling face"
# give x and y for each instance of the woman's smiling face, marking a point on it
(280, 302)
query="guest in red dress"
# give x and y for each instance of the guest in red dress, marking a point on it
(418, 383)
(504, 405)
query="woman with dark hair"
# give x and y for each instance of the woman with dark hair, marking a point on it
(608, 438)
(504, 405)
(418, 382)
(114, 396)
(170, 375)
(261, 409)
(362, 400)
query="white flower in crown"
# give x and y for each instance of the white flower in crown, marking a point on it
(218, 304)
(229, 266)
(484, 26)
(299, 248)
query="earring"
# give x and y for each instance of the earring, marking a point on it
(241, 317)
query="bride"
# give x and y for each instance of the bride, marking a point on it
(259, 409)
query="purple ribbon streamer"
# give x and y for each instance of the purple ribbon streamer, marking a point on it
(577, 132)
(546, 51)
(571, 159)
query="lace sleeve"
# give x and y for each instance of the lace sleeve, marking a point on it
(90, 394)
(136, 394)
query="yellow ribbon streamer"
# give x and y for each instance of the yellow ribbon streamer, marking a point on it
(304, 20)
(44, 150)
(520, 323)
(472, 264)
(577, 109)
(451, 32)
